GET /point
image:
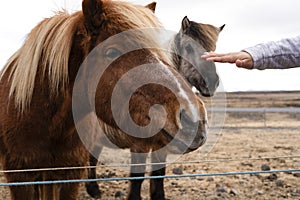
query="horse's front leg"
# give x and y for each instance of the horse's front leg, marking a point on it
(92, 188)
(136, 171)
(157, 185)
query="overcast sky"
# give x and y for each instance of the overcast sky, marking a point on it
(247, 23)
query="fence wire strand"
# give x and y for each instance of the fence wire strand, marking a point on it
(147, 177)
(150, 164)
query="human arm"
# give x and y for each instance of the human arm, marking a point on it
(281, 54)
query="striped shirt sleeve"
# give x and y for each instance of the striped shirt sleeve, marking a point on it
(281, 54)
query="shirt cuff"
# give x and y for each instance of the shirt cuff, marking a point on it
(258, 62)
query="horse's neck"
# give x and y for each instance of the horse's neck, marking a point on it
(174, 48)
(168, 42)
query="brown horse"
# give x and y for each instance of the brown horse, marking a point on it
(37, 123)
(198, 72)
(189, 44)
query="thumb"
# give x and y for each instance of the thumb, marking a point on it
(239, 63)
(244, 63)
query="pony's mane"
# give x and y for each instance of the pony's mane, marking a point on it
(48, 46)
(206, 33)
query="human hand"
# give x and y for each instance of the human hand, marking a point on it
(241, 59)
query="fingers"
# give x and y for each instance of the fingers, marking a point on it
(209, 56)
(217, 57)
(241, 59)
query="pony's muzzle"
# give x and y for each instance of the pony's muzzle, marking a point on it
(200, 136)
(193, 133)
(191, 130)
(209, 82)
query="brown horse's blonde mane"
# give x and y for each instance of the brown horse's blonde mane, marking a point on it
(48, 46)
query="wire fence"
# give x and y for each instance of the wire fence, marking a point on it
(148, 177)
(263, 111)
(150, 164)
(289, 117)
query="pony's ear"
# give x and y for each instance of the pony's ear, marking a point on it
(151, 6)
(222, 27)
(92, 10)
(185, 24)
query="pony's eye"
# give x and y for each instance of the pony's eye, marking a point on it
(112, 53)
(189, 49)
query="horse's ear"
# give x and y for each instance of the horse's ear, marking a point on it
(151, 6)
(185, 24)
(222, 27)
(92, 10)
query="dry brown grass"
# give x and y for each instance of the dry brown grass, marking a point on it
(245, 144)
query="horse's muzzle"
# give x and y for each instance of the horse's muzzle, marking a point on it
(197, 136)
(190, 137)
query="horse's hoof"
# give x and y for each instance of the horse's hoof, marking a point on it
(93, 190)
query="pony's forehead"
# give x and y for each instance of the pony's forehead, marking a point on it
(205, 34)
(208, 26)
(137, 21)
(204, 28)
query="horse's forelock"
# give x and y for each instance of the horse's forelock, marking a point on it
(206, 33)
(126, 16)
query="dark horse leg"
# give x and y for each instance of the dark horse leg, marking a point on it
(69, 191)
(33, 192)
(26, 192)
(92, 188)
(23, 192)
(157, 185)
(136, 171)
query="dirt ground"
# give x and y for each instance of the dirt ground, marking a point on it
(246, 142)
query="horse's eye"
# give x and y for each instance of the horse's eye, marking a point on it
(112, 53)
(189, 49)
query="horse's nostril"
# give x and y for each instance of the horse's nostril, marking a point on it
(204, 83)
(217, 82)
